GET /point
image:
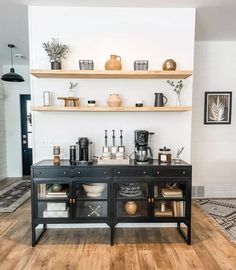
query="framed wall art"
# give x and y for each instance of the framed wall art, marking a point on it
(217, 108)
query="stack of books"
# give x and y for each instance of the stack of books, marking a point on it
(61, 194)
(178, 208)
(166, 213)
(42, 190)
(56, 210)
(172, 192)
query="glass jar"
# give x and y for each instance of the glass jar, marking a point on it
(164, 155)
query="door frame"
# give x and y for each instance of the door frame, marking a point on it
(23, 113)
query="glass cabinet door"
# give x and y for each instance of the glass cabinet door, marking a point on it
(52, 200)
(131, 200)
(169, 199)
(91, 199)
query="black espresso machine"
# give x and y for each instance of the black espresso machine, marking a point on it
(142, 150)
(84, 151)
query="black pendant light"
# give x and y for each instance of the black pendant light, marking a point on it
(12, 76)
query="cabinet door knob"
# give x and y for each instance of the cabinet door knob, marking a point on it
(105, 172)
(118, 172)
(38, 172)
(158, 172)
(73, 201)
(184, 172)
(149, 200)
(70, 200)
(144, 172)
(79, 172)
(65, 173)
(152, 200)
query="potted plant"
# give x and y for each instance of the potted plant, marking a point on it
(177, 88)
(56, 52)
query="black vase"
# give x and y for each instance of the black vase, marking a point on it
(55, 65)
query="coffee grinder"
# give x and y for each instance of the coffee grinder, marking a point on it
(142, 150)
(84, 151)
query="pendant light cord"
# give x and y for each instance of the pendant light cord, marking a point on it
(11, 58)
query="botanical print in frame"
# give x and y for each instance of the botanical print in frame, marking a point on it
(217, 108)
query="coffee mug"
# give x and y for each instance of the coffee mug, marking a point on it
(160, 100)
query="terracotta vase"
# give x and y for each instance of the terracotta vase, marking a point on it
(114, 100)
(169, 64)
(131, 208)
(114, 63)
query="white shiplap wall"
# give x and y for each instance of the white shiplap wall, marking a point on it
(3, 164)
(213, 146)
(12, 92)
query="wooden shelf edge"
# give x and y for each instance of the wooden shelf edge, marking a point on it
(111, 74)
(110, 109)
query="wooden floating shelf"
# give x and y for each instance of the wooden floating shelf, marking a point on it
(110, 109)
(110, 74)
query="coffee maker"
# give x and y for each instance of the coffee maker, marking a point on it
(142, 150)
(84, 151)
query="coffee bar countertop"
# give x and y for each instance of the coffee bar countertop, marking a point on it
(66, 163)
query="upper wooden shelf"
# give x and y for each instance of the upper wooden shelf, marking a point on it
(110, 109)
(111, 74)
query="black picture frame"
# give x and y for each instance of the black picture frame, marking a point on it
(218, 108)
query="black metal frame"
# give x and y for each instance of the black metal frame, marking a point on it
(148, 174)
(205, 108)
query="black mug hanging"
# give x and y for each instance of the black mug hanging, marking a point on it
(160, 100)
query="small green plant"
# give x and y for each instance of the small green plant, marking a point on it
(179, 152)
(55, 50)
(72, 85)
(177, 87)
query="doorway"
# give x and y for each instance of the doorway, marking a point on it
(26, 133)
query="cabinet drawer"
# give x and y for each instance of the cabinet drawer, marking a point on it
(132, 172)
(52, 172)
(167, 172)
(92, 172)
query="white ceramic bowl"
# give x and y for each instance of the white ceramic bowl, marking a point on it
(94, 190)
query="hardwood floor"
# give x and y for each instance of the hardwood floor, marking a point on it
(134, 249)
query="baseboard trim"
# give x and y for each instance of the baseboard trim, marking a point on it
(3, 176)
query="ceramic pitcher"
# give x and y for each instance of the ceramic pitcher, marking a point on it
(114, 63)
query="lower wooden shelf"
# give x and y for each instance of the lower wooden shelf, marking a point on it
(110, 109)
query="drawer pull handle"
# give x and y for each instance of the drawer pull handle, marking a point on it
(184, 172)
(144, 172)
(118, 172)
(158, 172)
(38, 172)
(79, 172)
(65, 173)
(105, 172)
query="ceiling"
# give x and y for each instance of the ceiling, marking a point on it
(216, 19)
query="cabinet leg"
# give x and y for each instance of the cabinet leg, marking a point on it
(189, 234)
(112, 228)
(186, 236)
(35, 238)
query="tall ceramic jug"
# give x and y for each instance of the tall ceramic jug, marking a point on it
(114, 63)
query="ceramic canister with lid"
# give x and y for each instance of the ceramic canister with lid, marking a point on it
(164, 155)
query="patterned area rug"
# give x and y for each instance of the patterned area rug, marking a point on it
(223, 211)
(14, 196)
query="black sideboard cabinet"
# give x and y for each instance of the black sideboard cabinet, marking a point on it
(109, 207)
